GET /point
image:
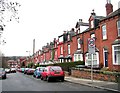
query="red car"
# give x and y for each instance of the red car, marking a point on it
(30, 71)
(52, 72)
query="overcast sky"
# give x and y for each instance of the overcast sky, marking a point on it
(44, 20)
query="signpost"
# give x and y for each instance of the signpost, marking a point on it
(91, 50)
(91, 45)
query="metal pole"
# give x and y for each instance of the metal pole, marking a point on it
(92, 68)
(33, 46)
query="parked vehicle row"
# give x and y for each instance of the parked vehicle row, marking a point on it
(21, 70)
(45, 73)
(28, 71)
(10, 70)
(13, 70)
(7, 70)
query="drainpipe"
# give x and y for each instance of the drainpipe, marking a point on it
(83, 47)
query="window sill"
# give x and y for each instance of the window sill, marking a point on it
(105, 39)
(116, 64)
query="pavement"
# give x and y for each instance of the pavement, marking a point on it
(111, 86)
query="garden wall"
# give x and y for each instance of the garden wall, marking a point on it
(97, 75)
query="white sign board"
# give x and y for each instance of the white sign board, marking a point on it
(91, 45)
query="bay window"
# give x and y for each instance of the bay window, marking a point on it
(116, 54)
(92, 57)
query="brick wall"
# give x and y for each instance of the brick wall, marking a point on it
(96, 76)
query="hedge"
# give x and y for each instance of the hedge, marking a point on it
(66, 65)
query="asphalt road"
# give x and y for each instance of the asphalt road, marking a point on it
(20, 82)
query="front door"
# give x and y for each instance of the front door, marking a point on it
(106, 59)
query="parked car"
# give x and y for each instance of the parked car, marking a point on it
(13, 70)
(19, 70)
(38, 71)
(25, 70)
(22, 70)
(52, 72)
(2, 73)
(30, 71)
(7, 70)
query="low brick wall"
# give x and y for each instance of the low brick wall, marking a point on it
(96, 76)
(66, 73)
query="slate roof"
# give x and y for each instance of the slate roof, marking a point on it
(99, 17)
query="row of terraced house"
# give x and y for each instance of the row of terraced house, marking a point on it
(72, 45)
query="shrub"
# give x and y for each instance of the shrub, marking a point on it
(30, 65)
(66, 65)
(37, 65)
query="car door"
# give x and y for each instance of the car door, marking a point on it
(44, 73)
(35, 72)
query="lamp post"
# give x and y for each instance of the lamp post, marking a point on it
(28, 56)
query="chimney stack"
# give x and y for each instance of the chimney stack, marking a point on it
(109, 7)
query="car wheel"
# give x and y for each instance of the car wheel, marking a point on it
(5, 77)
(36, 76)
(33, 75)
(62, 79)
(48, 79)
(41, 78)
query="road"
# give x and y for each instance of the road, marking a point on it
(20, 82)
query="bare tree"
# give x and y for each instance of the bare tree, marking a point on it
(8, 12)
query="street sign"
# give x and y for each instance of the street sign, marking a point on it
(91, 50)
(91, 45)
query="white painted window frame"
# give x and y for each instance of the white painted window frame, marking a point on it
(113, 55)
(61, 50)
(97, 59)
(118, 28)
(44, 57)
(78, 43)
(68, 49)
(76, 57)
(104, 36)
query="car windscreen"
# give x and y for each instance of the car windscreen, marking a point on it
(55, 68)
(41, 68)
(1, 69)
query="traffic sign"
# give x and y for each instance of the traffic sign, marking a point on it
(91, 45)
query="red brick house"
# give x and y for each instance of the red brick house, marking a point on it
(110, 40)
(106, 32)
(73, 45)
(60, 49)
(54, 51)
(12, 63)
